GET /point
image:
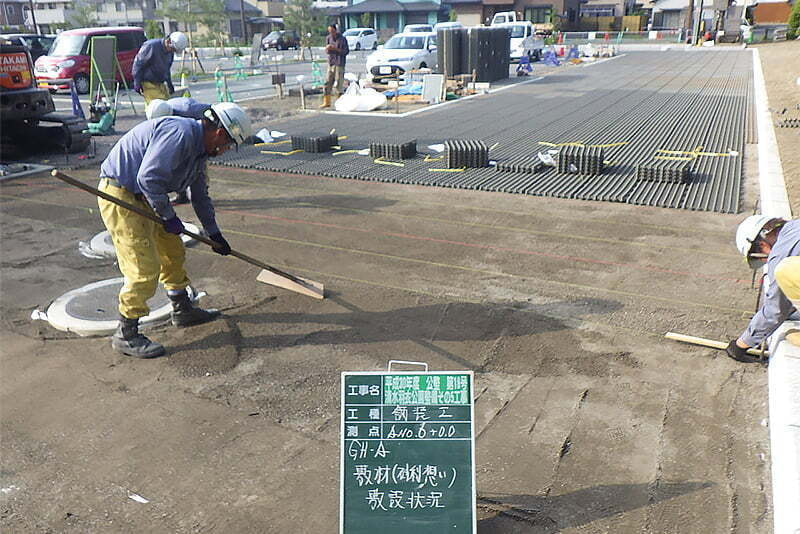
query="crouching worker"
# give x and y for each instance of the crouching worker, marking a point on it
(760, 239)
(153, 159)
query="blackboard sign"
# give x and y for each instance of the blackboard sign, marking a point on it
(407, 453)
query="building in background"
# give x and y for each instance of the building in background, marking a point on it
(12, 14)
(389, 16)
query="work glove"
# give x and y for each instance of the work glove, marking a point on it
(222, 246)
(739, 354)
(173, 225)
(137, 86)
(171, 88)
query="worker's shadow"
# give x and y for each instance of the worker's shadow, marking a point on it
(338, 204)
(555, 513)
(424, 325)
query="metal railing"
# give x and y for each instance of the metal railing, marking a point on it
(620, 37)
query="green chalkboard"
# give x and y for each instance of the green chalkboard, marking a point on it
(407, 453)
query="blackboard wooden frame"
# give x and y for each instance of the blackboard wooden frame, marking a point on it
(466, 525)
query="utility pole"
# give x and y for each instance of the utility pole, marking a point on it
(690, 20)
(33, 16)
(244, 26)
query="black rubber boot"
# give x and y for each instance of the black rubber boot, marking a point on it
(185, 314)
(130, 342)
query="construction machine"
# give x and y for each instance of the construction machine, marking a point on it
(28, 121)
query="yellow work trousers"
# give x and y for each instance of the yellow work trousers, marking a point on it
(146, 253)
(151, 91)
(787, 274)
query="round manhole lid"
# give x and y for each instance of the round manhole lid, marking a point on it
(91, 310)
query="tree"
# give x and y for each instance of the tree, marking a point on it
(308, 21)
(208, 13)
(452, 16)
(153, 29)
(366, 20)
(794, 21)
(84, 16)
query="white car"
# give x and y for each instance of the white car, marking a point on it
(361, 38)
(417, 28)
(401, 53)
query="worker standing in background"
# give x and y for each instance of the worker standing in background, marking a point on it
(178, 107)
(337, 50)
(155, 158)
(151, 67)
(761, 238)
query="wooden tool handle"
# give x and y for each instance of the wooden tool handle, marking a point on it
(711, 343)
(148, 215)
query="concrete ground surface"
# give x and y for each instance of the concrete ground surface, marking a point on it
(587, 419)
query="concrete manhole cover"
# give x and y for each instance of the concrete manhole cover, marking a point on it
(92, 309)
(101, 246)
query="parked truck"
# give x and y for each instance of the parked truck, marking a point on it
(28, 121)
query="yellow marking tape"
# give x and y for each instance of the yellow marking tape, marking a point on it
(578, 143)
(274, 143)
(429, 158)
(678, 302)
(384, 162)
(281, 153)
(344, 152)
(494, 146)
(447, 170)
(675, 158)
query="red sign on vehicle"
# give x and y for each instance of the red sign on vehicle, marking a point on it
(15, 71)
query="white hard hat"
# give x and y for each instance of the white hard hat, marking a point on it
(747, 232)
(158, 108)
(179, 41)
(234, 120)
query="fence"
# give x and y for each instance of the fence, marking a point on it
(600, 37)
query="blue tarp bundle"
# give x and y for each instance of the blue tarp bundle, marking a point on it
(408, 89)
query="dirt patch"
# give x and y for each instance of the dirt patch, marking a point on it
(781, 64)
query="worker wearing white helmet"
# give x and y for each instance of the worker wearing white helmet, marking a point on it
(155, 158)
(152, 65)
(774, 242)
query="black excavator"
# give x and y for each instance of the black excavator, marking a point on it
(28, 121)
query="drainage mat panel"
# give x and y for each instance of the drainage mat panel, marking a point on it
(602, 124)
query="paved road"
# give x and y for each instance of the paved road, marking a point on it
(257, 86)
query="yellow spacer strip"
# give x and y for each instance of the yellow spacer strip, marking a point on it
(447, 170)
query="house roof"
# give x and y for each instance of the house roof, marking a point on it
(389, 6)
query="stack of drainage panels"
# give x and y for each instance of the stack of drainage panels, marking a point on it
(576, 159)
(664, 170)
(525, 165)
(482, 50)
(467, 153)
(315, 144)
(393, 151)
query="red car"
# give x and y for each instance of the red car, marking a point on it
(68, 58)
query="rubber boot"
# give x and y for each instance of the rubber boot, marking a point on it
(326, 101)
(128, 341)
(185, 314)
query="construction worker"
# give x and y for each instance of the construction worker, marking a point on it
(760, 239)
(155, 158)
(151, 67)
(337, 50)
(179, 107)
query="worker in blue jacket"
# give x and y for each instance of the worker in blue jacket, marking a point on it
(763, 239)
(178, 107)
(152, 66)
(155, 158)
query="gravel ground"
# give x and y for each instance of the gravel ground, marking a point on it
(781, 64)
